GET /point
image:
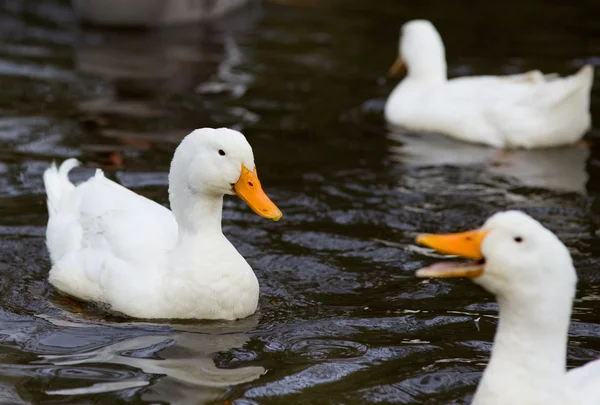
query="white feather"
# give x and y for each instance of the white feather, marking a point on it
(530, 110)
(531, 273)
(111, 245)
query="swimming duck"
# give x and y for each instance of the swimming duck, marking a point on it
(531, 273)
(110, 245)
(530, 110)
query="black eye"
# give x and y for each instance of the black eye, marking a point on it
(518, 239)
(221, 152)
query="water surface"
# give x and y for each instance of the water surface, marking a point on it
(342, 318)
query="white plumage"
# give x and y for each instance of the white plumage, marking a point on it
(530, 110)
(531, 273)
(111, 245)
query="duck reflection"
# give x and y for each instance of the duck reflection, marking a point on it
(178, 367)
(142, 69)
(558, 169)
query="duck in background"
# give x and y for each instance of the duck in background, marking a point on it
(529, 110)
(531, 273)
(110, 245)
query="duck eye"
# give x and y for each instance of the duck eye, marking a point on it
(221, 152)
(518, 239)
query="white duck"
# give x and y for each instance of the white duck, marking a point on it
(532, 275)
(110, 245)
(520, 111)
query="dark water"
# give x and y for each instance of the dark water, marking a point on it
(342, 318)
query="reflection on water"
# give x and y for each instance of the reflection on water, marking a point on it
(342, 318)
(142, 67)
(559, 169)
(177, 59)
(181, 359)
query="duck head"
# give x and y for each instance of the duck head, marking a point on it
(215, 162)
(512, 253)
(421, 51)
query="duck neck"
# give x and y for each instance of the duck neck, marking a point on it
(531, 339)
(197, 214)
(433, 73)
(532, 328)
(428, 65)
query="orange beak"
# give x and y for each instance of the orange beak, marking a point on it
(398, 69)
(464, 244)
(248, 188)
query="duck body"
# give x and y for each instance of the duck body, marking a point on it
(530, 110)
(110, 245)
(583, 383)
(531, 274)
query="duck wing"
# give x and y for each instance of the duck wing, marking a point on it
(100, 229)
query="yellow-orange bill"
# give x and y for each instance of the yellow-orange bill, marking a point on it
(463, 244)
(398, 69)
(248, 188)
(451, 269)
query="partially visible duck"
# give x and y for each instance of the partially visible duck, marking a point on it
(531, 273)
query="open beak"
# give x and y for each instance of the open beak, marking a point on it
(398, 69)
(248, 188)
(464, 244)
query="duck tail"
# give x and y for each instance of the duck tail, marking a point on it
(56, 182)
(573, 90)
(586, 74)
(582, 81)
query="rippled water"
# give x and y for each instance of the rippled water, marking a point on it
(342, 318)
